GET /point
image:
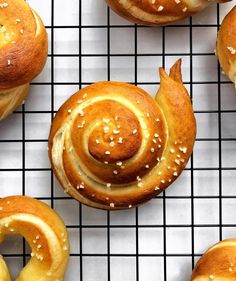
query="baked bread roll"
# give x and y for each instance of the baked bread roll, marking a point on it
(226, 45)
(23, 52)
(112, 146)
(161, 12)
(218, 263)
(44, 231)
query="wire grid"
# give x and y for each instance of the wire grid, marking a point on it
(162, 239)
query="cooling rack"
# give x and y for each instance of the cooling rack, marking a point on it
(162, 239)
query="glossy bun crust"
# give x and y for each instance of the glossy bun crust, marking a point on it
(157, 12)
(112, 146)
(218, 263)
(23, 52)
(45, 233)
(226, 45)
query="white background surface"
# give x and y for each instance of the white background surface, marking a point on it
(191, 208)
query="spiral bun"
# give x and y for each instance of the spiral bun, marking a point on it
(218, 263)
(112, 146)
(44, 231)
(23, 52)
(161, 12)
(226, 45)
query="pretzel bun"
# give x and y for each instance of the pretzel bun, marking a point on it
(23, 52)
(112, 146)
(158, 12)
(218, 263)
(44, 231)
(226, 45)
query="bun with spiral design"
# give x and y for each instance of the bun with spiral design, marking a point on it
(218, 263)
(161, 12)
(112, 146)
(44, 231)
(23, 52)
(226, 45)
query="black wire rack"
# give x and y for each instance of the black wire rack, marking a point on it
(162, 239)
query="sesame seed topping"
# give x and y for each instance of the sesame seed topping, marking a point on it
(156, 135)
(3, 5)
(148, 114)
(112, 205)
(112, 144)
(152, 149)
(177, 161)
(8, 62)
(138, 178)
(69, 110)
(183, 149)
(157, 188)
(232, 50)
(107, 152)
(163, 181)
(119, 163)
(147, 166)
(85, 95)
(172, 150)
(130, 206)
(106, 120)
(175, 174)
(116, 118)
(21, 30)
(116, 132)
(185, 9)
(135, 131)
(120, 140)
(18, 20)
(81, 113)
(115, 172)
(97, 141)
(106, 129)
(140, 184)
(161, 8)
(108, 185)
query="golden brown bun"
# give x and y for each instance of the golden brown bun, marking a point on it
(218, 263)
(157, 12)
(44, 231)
(226, 45)
(23, 49)
(112, 146)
